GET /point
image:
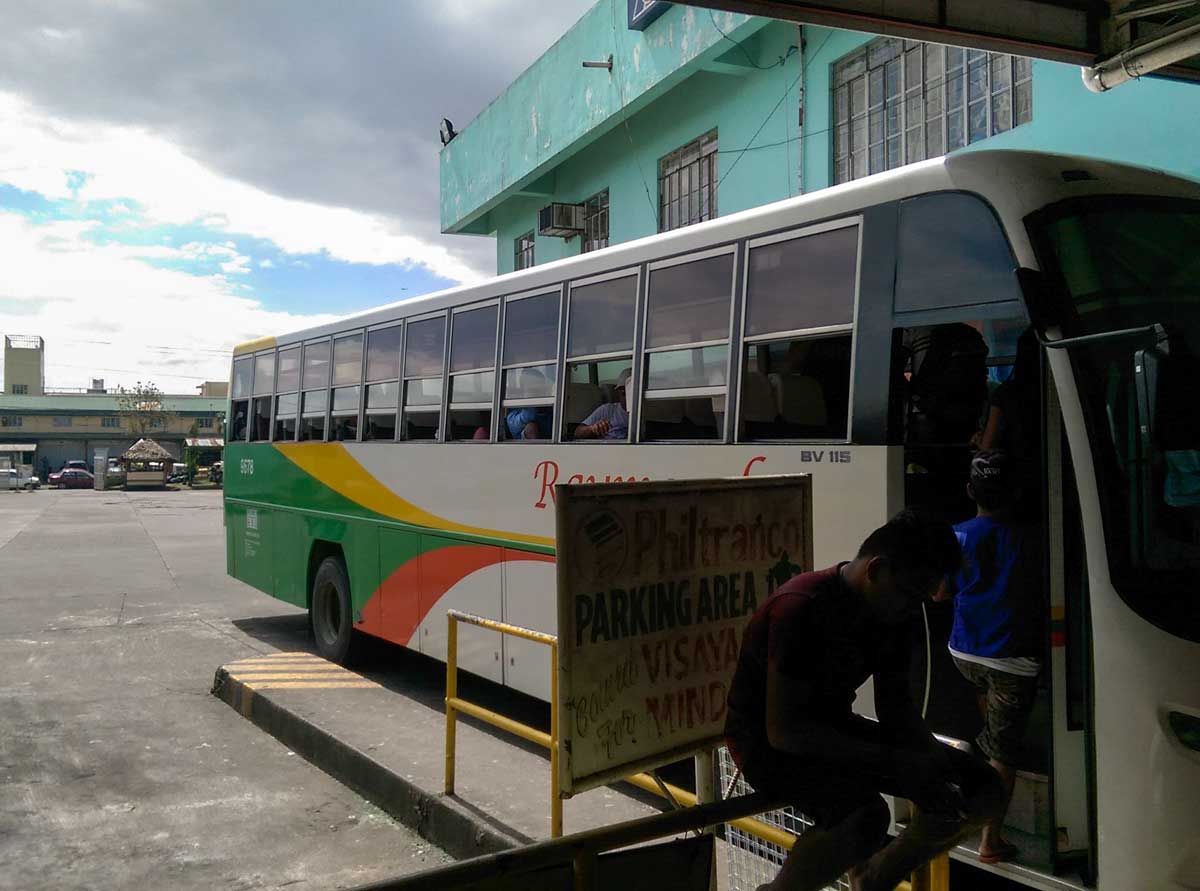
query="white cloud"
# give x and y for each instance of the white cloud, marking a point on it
(105, 312)
(266, 263)
(129, 164)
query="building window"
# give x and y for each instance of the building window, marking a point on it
(595, 222)
(687, 184)
(11, 421)
(898, 101)
(110, 422)
(23, 389)
(62, 421)
(523, 251)
(201, 423)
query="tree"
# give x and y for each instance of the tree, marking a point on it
(142, 409)
(191, 454)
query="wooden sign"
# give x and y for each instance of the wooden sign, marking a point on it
(656, 582)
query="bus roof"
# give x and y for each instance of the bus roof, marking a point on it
(1015, 182)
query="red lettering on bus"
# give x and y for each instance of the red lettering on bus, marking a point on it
(548, 472)
(755, 460)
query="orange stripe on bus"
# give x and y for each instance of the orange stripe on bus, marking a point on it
(409, 594)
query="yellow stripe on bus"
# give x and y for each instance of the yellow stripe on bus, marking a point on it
(251, 346)
(332, 465)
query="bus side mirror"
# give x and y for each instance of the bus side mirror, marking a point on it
(1044, 311)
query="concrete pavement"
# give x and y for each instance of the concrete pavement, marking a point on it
(117, 768)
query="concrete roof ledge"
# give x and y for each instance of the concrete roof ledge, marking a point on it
(556, 107)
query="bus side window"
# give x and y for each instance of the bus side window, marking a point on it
(687, 348)
(600, 353)
(799, 311)
(529, 368)
(472, 373)
(424, 344)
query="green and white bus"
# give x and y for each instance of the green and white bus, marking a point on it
(389, 466)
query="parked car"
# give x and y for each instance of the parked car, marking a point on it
(12, 479)
(77, 464)
(72, 478)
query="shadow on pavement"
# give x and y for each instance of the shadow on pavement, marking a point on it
(423, 679)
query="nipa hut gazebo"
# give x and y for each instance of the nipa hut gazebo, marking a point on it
(147, 465)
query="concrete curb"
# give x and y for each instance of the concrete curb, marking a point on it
(438, 818)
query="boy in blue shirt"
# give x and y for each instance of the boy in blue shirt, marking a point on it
(996, 642)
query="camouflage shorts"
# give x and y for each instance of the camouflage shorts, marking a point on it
(1009, 700)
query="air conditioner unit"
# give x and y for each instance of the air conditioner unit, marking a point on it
(561, 220)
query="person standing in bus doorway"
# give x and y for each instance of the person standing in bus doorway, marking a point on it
(996, 638)
(610, 420)
(792, 732)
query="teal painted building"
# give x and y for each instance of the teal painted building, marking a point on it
(704, 114)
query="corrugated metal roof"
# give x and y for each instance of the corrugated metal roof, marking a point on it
(17, 447)
(105, 402)
(204, 442)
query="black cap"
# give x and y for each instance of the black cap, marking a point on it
(993, 477)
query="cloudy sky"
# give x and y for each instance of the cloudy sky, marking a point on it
(177, 176)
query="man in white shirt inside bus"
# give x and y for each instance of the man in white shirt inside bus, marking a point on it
(610, 420)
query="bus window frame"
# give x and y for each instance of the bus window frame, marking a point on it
(499, 411)
(299, 348)
(333, 385)
(639, 272)
(255, 396)
(713, 391)
(399, 381)
(449, 376)
(247, 397)
(328, 339)
(802, 333)
(439, 437)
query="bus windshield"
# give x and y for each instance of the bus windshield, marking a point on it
(1120, 263)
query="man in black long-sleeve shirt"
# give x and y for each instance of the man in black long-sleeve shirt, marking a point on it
(791, 729)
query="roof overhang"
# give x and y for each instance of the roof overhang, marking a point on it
(1081, 32)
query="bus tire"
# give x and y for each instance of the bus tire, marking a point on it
(329, 614)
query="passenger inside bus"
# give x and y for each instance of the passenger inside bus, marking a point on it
(609, 419)
(525, 421)
(945, 379)
(996, 641)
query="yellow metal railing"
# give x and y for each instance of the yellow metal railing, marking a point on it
(933, 876)
(454, 705)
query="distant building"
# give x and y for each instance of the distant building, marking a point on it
(24, 365)
(215, 389)
(64, 425)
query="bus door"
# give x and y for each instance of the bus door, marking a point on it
(958, 384)
(1073, 786)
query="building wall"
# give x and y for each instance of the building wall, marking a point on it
(1151, 122)
(555, 105)
(625, 160)
(81, 424)
(23, 366)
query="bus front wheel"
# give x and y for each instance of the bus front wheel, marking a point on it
(329, 614)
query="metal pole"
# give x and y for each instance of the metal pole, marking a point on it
(585, 871)
(556, 805)
(706, 791)
(451, 695)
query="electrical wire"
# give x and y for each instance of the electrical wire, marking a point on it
(771, 113)
(745, 52)
(625, 118)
